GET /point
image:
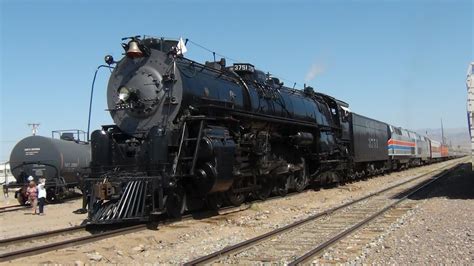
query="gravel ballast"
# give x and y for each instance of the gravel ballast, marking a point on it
(182, 241)
(439, 231)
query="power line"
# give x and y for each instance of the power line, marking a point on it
(213, 52)
(293, 83)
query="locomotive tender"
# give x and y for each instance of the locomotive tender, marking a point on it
(188, 135)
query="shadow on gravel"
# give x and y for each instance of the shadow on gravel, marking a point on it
(457, 185)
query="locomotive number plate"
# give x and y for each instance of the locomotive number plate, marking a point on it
(244, 68)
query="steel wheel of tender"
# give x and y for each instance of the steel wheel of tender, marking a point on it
(301, 177)
(176, 202)
(236, 198)
(55, 194)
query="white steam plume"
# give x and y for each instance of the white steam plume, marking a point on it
(314, 71)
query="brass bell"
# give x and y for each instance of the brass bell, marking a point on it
(133, 50)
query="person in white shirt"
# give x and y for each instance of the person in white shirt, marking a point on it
(41, 195)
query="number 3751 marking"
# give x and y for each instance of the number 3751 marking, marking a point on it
(373, 143)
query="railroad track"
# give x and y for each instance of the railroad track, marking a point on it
(12, 208)
(19, 207)
(28, 245)
(300, 242)
(34, 244)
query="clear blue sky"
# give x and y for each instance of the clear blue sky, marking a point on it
(403, 62)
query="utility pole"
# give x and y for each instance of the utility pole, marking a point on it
(470, 107)
(34, 128)
(442, 132)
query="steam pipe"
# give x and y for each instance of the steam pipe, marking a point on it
(90, 101)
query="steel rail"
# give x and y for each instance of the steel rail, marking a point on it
(18, 207)
(304, 259)
(245, 244)
(86, 239)
(8, 241)
(68, 243)
(13, 208)
(95, 237)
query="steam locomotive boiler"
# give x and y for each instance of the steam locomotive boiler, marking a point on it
(188, 135)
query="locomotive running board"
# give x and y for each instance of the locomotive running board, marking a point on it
(130, 206)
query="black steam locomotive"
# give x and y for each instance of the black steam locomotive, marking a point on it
(189, 135)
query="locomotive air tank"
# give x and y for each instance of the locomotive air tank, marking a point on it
(63, 162)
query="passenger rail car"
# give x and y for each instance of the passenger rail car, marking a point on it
(435, 149)
(422, 150)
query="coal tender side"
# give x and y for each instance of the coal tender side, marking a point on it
(369, 146)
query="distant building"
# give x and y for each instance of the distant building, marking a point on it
(470, 106)
(6, 176)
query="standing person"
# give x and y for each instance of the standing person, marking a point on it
(41, 195)
(32, 194)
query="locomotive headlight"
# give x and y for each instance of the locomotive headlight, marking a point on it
(124, 93)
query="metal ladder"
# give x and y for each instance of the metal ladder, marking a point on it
(184, 141)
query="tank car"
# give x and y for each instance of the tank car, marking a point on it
(188, 135)
(63, 162)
